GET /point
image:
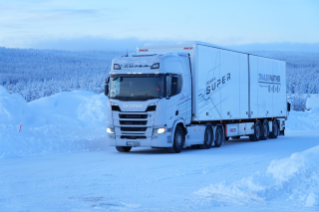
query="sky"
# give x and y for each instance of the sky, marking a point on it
(105, 24)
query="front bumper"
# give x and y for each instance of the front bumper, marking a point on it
(161, 140)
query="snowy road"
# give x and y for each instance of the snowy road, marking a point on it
(147, 179)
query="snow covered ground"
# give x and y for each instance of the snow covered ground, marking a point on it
(58, 161)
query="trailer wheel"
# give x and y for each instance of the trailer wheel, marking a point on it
(178, 140)
(208, 138)
(123, 148)
(264, 130)
(219, 137)
(256, 135)
(275, 130)
(235, 137)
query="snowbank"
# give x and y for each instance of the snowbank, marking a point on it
(69, 121)
(290, 179)
(312, 103)
(303, 121)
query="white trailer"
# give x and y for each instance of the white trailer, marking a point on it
(194, 94)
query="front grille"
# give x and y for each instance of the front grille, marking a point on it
(133, 116)
(133, 122)
(133, 137)
(133, 128)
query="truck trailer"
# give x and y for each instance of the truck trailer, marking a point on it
(177, 96)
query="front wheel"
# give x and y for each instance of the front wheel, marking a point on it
(178, 140)
(123, 148)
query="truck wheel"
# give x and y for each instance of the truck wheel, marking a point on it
(235, 137)
(274, 132)
(208, 138)
(219, 137)
(123, 148)
(178, 140)
(256, 135)
(264, 130)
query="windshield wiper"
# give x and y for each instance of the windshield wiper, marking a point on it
(147, 97)
(125, 98)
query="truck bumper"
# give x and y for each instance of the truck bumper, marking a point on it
(162, 140)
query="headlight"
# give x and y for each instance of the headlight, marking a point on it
(110, 130)
(159, 130)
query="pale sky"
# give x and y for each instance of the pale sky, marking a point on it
(37, 23)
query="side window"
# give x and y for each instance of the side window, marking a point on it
(173, 85)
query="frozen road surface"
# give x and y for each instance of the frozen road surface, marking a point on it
(53, 157)
(236, 176)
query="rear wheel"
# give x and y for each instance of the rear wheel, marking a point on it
(219, 137)
(256, 135)
(123, 148)
(264, 130)
(275, 130)
(178, 140)
(208, 138)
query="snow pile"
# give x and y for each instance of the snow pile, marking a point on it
(294, 179)
(303, 121)
(69, 121)
(312, 102)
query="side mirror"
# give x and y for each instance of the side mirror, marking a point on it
(106, 89)
(288, 106)
(106, 86)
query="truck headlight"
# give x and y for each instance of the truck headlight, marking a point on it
(110, 130)
(157, 131)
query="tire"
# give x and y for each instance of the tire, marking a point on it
(179, 139)
(208, 138)
(235, 137)
(264, 133)
(219, 137)
(123, 148)
(274, 133)
(257, 129)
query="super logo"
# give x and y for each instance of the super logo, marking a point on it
(216, 83)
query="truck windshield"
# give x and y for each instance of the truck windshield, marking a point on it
(137, 86)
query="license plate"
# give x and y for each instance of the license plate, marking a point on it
(133, 143)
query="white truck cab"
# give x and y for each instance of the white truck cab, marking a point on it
(165, 97)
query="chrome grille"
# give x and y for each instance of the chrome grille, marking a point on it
(133, 122)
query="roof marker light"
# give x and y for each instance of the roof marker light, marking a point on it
(188, 48)
(117, 67)
(155, 66)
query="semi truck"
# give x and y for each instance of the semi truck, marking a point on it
(193, 94)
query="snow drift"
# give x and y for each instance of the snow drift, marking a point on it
(291, 179)
(68, 121)
(303, 121)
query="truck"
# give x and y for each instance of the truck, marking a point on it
(193, 94)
